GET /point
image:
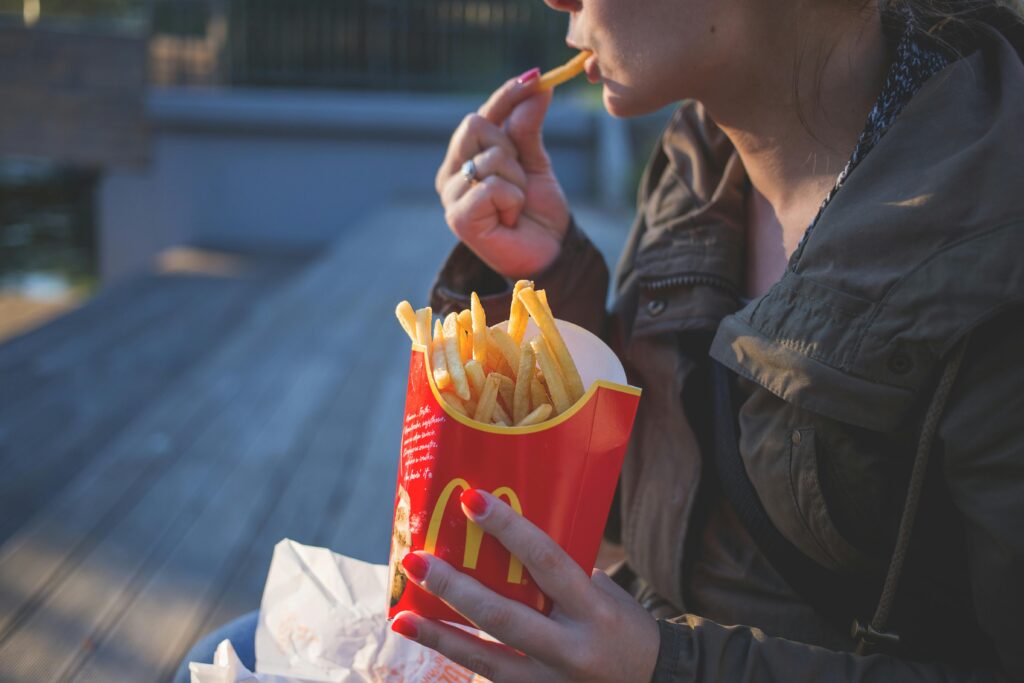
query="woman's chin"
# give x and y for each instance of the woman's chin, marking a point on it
(621, 103)
(615, 104)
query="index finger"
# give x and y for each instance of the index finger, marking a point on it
(555, 572)
(503, 100)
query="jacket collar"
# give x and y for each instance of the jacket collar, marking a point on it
(922, 244)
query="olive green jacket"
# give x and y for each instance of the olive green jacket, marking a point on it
(923, 245)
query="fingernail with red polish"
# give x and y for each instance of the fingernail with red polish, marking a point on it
(405, 627)
(528, 76)
(415, 566)
(474, 502)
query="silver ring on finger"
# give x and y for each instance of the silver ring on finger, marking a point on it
(468, 171)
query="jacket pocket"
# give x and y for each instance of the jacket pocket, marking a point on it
(806, 491)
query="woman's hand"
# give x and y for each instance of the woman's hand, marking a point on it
(513, 214)
(596, 631)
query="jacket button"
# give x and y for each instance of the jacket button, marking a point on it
(656, 306)
(900, 363)
(796, 437)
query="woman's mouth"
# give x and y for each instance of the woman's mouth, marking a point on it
(592, 70)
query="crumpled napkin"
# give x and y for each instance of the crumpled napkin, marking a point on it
(323, 618)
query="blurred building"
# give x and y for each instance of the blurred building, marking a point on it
(252, 124)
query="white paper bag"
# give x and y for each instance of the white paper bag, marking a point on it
(323, 618)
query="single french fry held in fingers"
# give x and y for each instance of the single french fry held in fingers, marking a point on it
(407, 319)
(524, 376)
(465, 335)
(437, 357)
(479, 328)
(517, 315)
(541, 413)
(451, 353)
(423, 318)
(540, 313)
(488, 399)
(507, 347)
(566, 72)
(556, 386)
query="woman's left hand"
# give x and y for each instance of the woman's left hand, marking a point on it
(595, 632)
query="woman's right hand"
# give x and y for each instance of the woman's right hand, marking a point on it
(514, 214)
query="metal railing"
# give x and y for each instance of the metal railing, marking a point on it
(441, 45)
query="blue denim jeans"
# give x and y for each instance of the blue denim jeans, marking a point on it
(242, 634)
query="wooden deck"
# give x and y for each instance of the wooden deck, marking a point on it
(156, 443)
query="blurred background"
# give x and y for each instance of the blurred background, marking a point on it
(208, 210)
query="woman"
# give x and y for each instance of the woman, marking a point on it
(806, 345)
(772, 486)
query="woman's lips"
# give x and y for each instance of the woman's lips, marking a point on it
(592, 70)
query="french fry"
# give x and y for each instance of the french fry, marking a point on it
(556, 385)
(441, 377)
(538, 394)
(508, 348)
(423, 318)
(451, 352)
(490, 373)
(455, 402)
(543, 296)
(476, 375)
(500, 423)
(500, 416)
(540, 313)
(506, 389)
(488, 399)
(479, 328)
(517, 316)
(497, 362)
(568, 71)
(524, 376)
(466, 335)
(538, 415)
(407, 319)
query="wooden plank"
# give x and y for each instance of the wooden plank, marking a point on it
(341, 495)
(113, 556)
(43, 553)
(110, 303)
(123, 555)
(72, 97)
(129, 373)
(95, 545)
(326, 478)
(360, 525)
(162, 606)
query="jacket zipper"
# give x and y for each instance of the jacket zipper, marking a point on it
(689, 279)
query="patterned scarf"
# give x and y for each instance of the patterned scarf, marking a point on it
(915, 62)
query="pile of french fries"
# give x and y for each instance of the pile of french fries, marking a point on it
(491, 374)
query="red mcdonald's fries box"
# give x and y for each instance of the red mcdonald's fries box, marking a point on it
(560, 474)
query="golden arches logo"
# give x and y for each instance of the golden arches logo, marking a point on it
(474, 534)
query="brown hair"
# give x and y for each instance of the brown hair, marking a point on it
(947, 23)
(937, 16)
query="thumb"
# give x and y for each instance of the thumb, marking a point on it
(524, 128)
